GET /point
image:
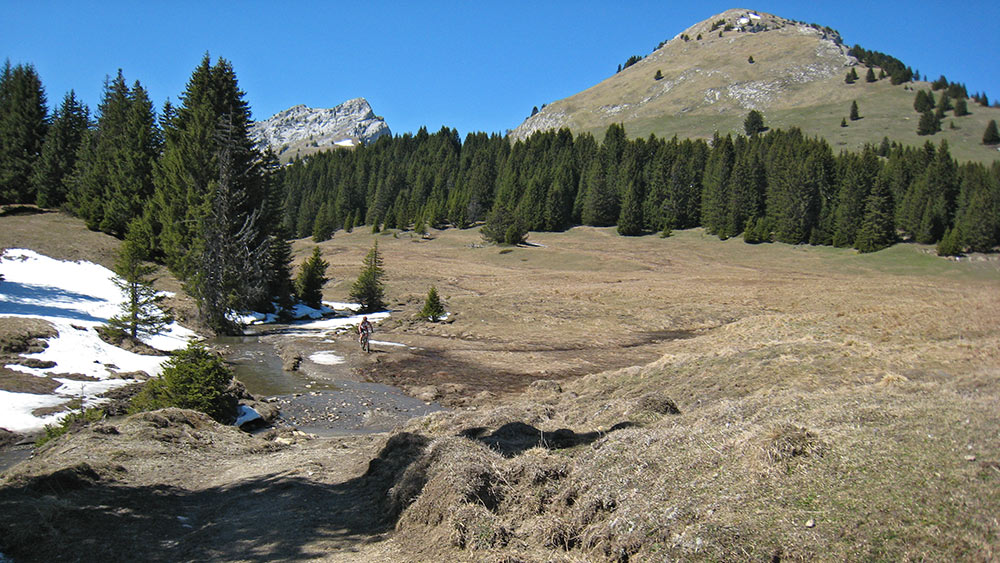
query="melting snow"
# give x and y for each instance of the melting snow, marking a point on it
(76, 298)
(326, 358)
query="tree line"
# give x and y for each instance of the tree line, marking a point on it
(190, 189)
(779, 186)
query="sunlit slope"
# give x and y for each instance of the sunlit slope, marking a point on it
(795, 79)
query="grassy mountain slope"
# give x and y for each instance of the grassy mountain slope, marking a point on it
(796, 80)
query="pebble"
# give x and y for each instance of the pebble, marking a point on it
(810, 523)
(970, 457)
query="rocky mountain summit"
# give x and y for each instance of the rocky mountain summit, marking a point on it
(731, 62)
(304, 130)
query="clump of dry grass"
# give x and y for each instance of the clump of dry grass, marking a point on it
(657, 403)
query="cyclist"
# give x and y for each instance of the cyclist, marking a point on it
(365, 330)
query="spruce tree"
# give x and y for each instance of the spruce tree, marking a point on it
(278, 272)
(715, 187)
(870, 75)
(754, 123)
(51, 175)
(23, 125)
(112, 181)
(141, 311)
(991, 136)
(309, 282)
(929, 123)
(189, 165)
(877, 229)
(854, 116)
(228, 267)
(977, 218)
(433, 309)
(961, 107)
(369, 289)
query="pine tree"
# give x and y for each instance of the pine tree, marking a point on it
(112, 181)
(991, 136)
(923, 102)
(870, 75)
(369, 289)
(961, 107)
(278, 273)
(189, 165)
(23, 125)
(228, 266)
(854, 111)
(877, 229)
(754, 123)
(433, 309)
(193, 378)
(977, 219)
(715, 187)
(929, 123)
(309, 282)
(50, 178)
(843, 122)
(141, 311)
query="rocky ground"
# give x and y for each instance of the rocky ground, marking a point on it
(782, 403)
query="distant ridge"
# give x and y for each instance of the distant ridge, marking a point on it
(301, 130)
(708, 77)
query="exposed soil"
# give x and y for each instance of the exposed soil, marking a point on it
(782, 403)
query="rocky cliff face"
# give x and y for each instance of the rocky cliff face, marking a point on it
(302, 130)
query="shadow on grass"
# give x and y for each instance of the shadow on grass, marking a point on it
(76, 515)
(515, 438)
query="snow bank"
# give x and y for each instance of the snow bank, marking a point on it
(326, 358)
(76, 298)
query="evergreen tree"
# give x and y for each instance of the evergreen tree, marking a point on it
(630, 221)
(870, 75)
(600, 203)
(278, 276)
(323, 225)
(433, 309)
(189, 166)
(309, 282)
(929, 123)
(50, 178)
(961, 107)
(877, 229)
(851, 77)
(854, 111)
(950, 243)
(923, 102)
(754, 123)
(715, 187)
(228, 268)
(991, 136)
(141, 311)
(23, 125)
(977, 219)
(856, 180)
(369, 289)
(193, 378)
(112, 180)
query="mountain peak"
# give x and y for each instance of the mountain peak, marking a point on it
(304, 130)
(730, 63)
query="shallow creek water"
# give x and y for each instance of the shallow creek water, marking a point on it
(319, 398)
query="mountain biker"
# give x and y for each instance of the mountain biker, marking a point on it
(365, 330)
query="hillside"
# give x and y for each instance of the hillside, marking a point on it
(829, 406)
(301, 130)
(796, 79)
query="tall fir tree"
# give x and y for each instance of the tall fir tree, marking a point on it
(854, 115)
(877, 229)
(991, 136)
(23, 126)
(112, 181)
(51, 175)
(311, 278)
(141, 313)
(229, 267)
(189, 165)
(715, 186)
(369, 289)
(433, 310)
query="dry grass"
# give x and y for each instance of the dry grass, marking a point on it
(832, 406)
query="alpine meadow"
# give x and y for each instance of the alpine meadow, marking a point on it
(737, 301)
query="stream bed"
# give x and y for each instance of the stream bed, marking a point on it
(323, 398)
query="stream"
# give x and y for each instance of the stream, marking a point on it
(322, 397)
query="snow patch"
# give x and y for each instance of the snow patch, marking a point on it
(326, 358)
(76, 298)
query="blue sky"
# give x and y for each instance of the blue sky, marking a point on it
(475, 66)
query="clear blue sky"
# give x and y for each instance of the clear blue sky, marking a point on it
(475, 66)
